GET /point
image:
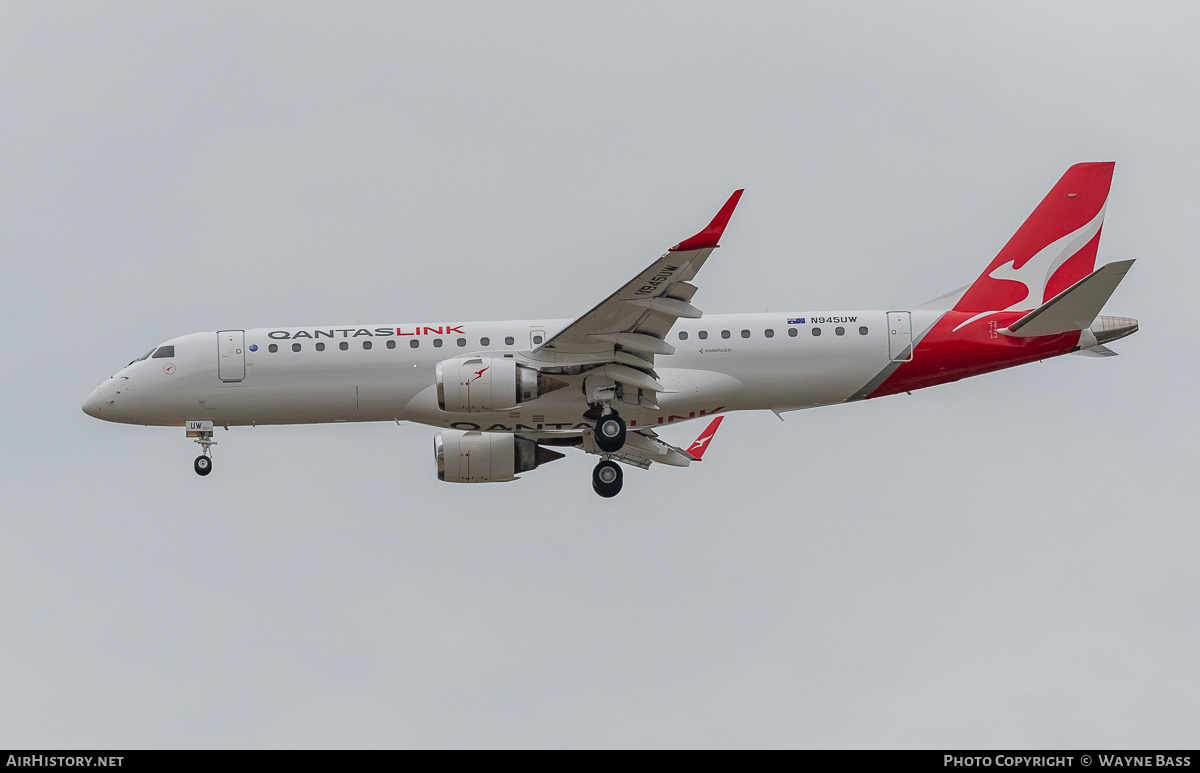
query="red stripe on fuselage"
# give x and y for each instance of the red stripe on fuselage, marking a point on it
(943, 356)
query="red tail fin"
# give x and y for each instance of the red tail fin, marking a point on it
(1052, 250)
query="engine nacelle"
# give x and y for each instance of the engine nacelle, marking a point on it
(486, 457)
(484, 384)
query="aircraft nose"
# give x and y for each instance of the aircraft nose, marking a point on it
(100, 403)
(91, 406)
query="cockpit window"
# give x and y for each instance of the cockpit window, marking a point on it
(164, 351)
(139, 359)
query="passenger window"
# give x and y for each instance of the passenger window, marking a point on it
(485, 341)
(769, 333)
(295, 347)
(724, 333)
(862, 331)
(840, 331)
(366, 344)
(437, 342)
(462, 342)
(745, 334)
(793, 331)
(816, 331)
(273, 348)
(703, 334)
(320, 346)
(343, 346)
(164, 351)
(391, 344)
(509, 340)
(682, 335)
(537, 340)
(414, 343)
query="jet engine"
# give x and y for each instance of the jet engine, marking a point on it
(486, 457)
(483, 384)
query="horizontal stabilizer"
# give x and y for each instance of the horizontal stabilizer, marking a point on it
(1099, 350)
(1074, 308)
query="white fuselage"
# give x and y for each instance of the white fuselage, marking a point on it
(507, 394)
(386, 372)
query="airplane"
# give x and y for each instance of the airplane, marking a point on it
(507, 394)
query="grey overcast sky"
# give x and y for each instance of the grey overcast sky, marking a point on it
(1006, 561)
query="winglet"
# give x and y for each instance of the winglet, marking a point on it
(696, 449)
(712, 234)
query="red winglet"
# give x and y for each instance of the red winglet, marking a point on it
(712, 234)
(696, 449)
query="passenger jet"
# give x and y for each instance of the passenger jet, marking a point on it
(508, 394)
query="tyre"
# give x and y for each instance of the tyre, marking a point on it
(610, 433)
(203, 465)
(607, 479)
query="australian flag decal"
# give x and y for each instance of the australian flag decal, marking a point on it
(795, 320)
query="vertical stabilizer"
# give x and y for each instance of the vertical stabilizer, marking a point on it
(1053, 249)
(1044, 266)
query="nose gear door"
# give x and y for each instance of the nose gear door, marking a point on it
(231, 355)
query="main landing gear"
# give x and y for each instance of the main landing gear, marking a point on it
(610, 437)
(607, 478)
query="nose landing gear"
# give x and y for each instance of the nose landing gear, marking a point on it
(202, 432)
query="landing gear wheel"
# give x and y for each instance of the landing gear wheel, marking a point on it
(606, 479)
(610, 433)
(203, 465)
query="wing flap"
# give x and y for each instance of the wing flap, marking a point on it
(638, 342)
(643, 448)
(632, 377)
(670, 306)
(660, 453)
(633, 360)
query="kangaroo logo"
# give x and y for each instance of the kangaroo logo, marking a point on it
(1036, 272)
(701, 443)
(478, 375)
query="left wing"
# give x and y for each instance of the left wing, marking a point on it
(643, 447)
(628, 328)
